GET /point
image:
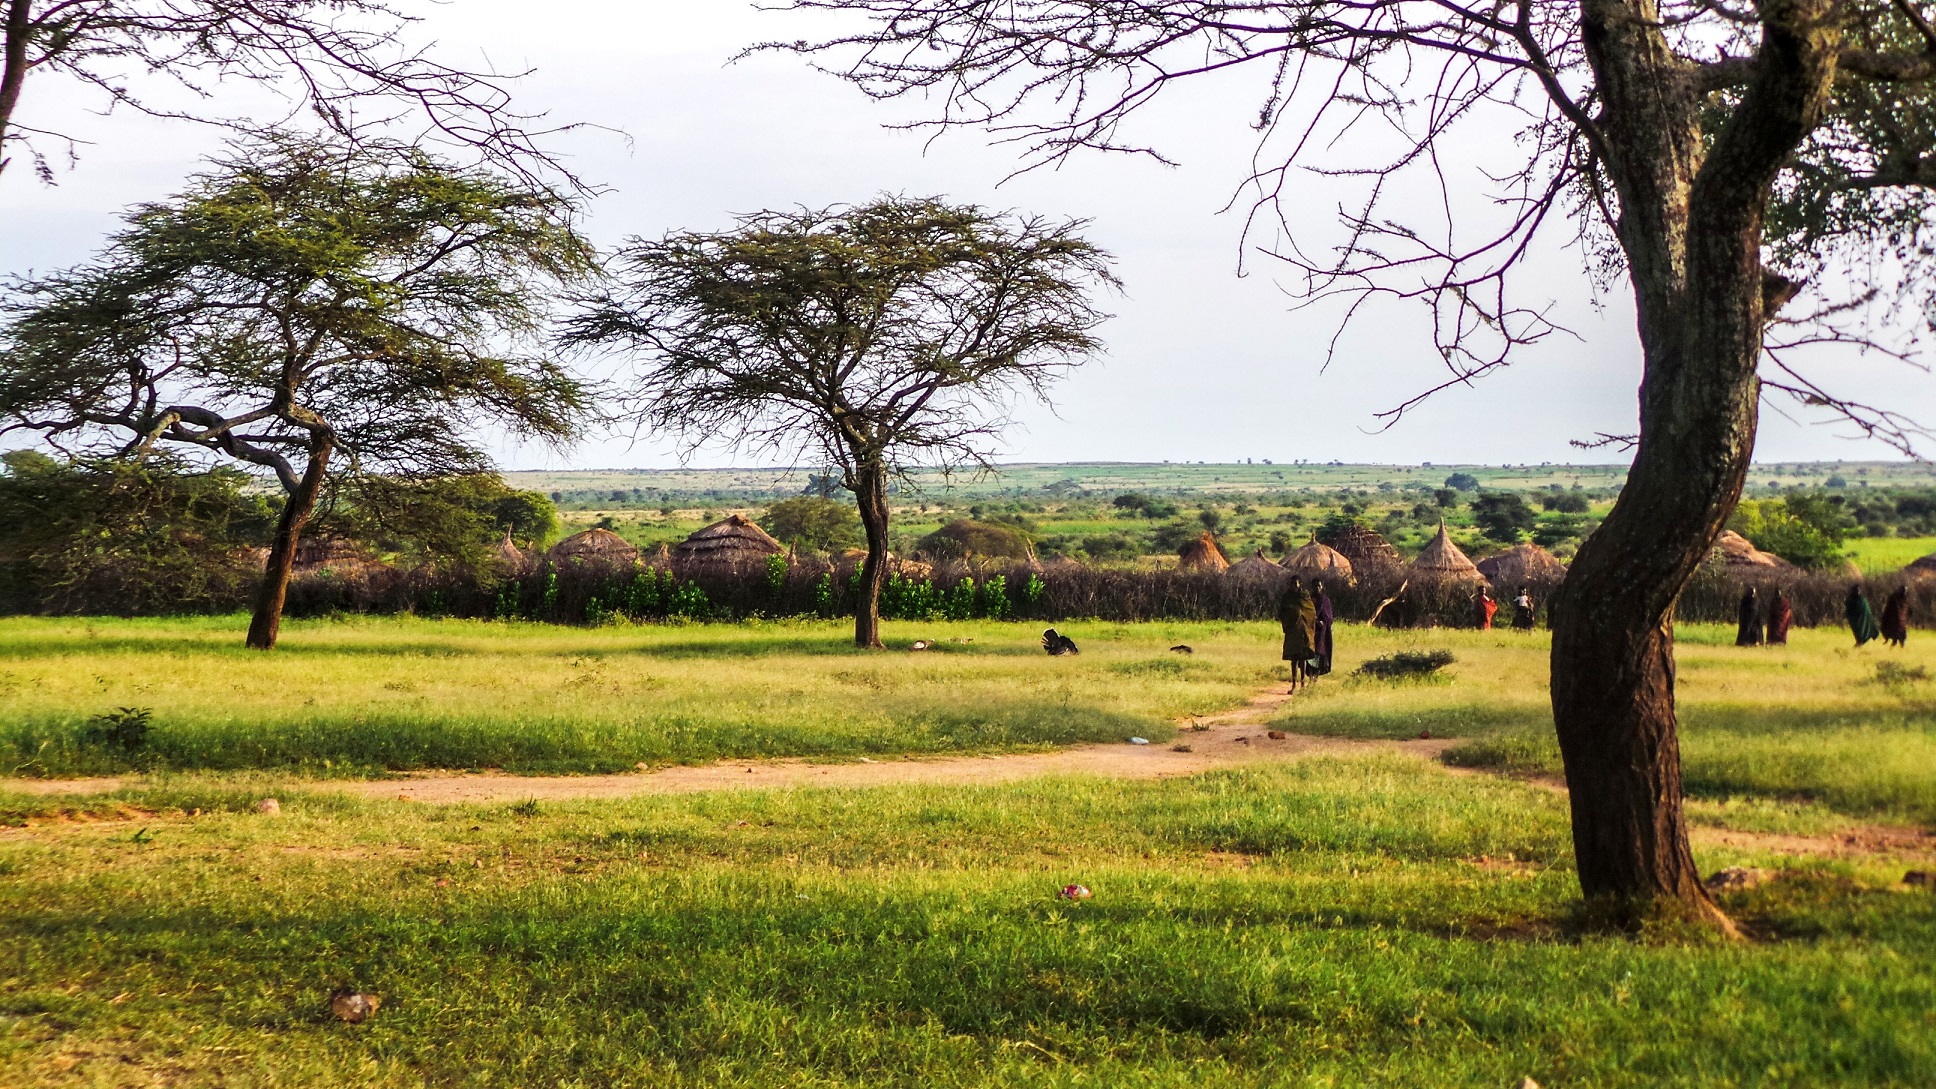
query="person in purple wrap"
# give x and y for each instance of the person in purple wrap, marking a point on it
(1326, 615)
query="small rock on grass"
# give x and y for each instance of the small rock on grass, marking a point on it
(1527, 1083)
(353, 1007)
(269, 806)
(1738, 879)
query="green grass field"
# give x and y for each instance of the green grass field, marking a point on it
(1887, 555)
(361, 696)
(1330, 922)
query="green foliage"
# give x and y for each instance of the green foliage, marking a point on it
(776, 573)
(307, 294)
(1564, 502)
(112, 536)
(995, 604)
(963, 538)
(1804, 530)
(1138, 503)
(826, 600)
(124, 729)
(454, 519)
(811, 522)
(1504, 516)
(1462, 482)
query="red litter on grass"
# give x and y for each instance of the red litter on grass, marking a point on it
(1076, 892)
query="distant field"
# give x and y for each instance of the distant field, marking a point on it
(1110, 478)
(1887, 555)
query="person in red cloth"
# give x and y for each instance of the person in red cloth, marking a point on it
(1780, 618)
(1895, 617)
(1485, 608)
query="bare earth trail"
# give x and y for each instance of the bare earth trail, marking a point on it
(1231, 739)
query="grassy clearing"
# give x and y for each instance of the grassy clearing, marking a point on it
(1327, 923)
(365, 695)
(1887, 555)
(1815, 720)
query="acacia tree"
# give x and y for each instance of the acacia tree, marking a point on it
(311, 311)
(876, 337)
(1721, 157)
(329, 56)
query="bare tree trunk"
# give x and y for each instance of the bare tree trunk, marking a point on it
(870, 492)
(267, 621)
(13, 69)
(1691, 216)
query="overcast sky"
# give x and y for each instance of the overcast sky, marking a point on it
(1202, 365)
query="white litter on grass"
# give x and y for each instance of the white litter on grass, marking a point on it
(1139, 740)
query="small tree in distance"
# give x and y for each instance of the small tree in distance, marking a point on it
(309, 311)
(878, 337)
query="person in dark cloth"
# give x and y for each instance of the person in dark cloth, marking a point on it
(1747, 628)
(1780, 618)
(1861, 616)
(1523, 611)
(1484, 608)
(1321, 631)
(1299, 617)
(1895, 617)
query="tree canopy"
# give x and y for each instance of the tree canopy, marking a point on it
(299, 301)
(868, 338)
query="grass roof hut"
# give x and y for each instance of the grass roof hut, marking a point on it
(1366, 551)
(1320, 561)
(1203, 554)
(733, 545)
(1520, 565)
(1740, 553)
(595, 545)
(1258, 568)
(1442, 561)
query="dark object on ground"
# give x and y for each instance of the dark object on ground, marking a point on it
(124, 728)
(1407, 663)
(1275, 735)
(1058, 644)
(1922, 878)
(1180, 747)
(1075, 892)
(1425, 735)
(1738, 879)
(353, 1007)
(1182, 648)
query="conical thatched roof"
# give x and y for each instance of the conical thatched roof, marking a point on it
(1522, 563)
(594, 546)
(1738, 551)
(1202, 554)
(1259, 567)
(1923, 568)
(1442, 560)
(508, 553)
(730, 545)
(1366, 550)
(1320, 561)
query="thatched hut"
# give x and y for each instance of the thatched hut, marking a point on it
(1320, 561)
(1520, 565)
(1259, 568)
(1442, 561)
(1921, 569)
(508, 553)
(1739, 553)
(1367, 552)
(594, 546)
(733, 545)
(332, 557)
(1203, 554)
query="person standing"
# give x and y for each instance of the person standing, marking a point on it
(1485, 608)
(1780, 617)
(1895, 617)
(1747, 628)
(1861, 616)
(1298, 615)
(1326, 616)
(1523, 611)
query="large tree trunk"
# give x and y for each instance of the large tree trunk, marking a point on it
(1690, 223)
(870, 493)
(267, 621)
(13, 70)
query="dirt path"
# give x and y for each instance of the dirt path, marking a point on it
(1233, 738)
